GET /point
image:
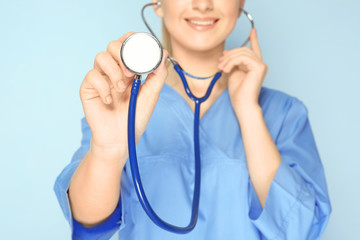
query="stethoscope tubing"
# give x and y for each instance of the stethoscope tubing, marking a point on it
(134, 163)
(132, 142)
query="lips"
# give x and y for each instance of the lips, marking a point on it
(202, 23)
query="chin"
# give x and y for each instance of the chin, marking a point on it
(204, 45)
(199, 41)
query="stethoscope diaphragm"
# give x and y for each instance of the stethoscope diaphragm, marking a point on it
(141, 53)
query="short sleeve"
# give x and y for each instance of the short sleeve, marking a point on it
(105, 229)
(297, 205)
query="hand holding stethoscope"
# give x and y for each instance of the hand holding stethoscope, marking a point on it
(246, 73)
(105, 95)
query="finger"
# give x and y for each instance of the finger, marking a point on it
(162, 65)
(254, 43)
(106, 65)
(156, 79)
(114, 49)
(125, 36)
(236, 51)
(94, 80)
(225, 52)
(234, 55)
(243, 62)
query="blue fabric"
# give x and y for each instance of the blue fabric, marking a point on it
(109, 226)
(297, 205)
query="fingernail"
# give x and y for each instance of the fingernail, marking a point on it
(108, 99)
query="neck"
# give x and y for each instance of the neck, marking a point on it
(197, 63)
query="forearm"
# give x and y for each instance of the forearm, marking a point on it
(262, 155)
(94, 188)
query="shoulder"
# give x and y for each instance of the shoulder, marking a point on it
(280, 108)
(279, 101)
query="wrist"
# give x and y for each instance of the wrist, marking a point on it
(247, 110)
(108, 153)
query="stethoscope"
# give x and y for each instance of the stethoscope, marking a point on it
(151, 49)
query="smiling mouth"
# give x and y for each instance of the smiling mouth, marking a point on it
(202, 22)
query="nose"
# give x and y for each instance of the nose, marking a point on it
(203, 5)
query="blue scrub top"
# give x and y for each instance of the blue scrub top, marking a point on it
(297, 205)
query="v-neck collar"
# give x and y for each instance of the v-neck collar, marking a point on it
(188, 109)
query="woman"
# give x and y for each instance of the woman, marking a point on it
(261, 173)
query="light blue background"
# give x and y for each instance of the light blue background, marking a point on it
(47, 47)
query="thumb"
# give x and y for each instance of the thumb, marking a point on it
(162, 65)
(156, 79)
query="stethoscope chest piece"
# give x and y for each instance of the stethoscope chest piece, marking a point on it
(141, 53)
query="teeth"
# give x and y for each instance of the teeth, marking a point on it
(203, 23)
